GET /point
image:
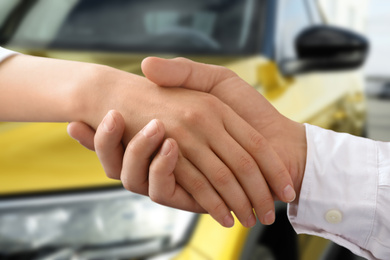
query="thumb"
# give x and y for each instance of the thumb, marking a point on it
(82, 133)
(181, 72)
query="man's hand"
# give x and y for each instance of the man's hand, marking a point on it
(287, 137)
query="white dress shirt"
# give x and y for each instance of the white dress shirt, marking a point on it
(4, 53)
(345, 194)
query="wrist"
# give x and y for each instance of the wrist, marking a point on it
(300, 155)
(102, 88)
(290, 143)
(88, 95)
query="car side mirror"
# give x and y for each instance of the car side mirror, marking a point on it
(326, 48)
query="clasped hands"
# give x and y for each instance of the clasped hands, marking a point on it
(213, 144)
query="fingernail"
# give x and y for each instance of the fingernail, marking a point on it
(150, 129)
(289, 193)
(108, 122)
(166, 148)
(228, 221)
(269, 218)
(251, 220)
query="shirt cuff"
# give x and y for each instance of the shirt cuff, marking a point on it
(339, 189)
(5, 53)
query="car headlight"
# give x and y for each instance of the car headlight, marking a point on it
(105, 224)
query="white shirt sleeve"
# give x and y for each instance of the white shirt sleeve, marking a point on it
(345, 194)
(4, 54)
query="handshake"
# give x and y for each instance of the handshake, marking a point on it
(212, 143)
(197, 137)
(191, 136)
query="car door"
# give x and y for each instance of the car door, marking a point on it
(331, 99)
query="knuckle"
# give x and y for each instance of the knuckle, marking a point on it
(180, 59)
(211, 102)
(247, 164)
(263, 201)
(223, 71)
(193, 116)
(113, 175)
(226, 71)
(135, 147)
(218, 207)
(157, 198)
(130, 186)
(198, 186)
(222, 177)
(245, 207)
(257, 141)
(99, 143)
(203, 111)
(281, 172)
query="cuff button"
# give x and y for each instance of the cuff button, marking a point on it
(334, 216)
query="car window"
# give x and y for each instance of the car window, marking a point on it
(315, 14)
(39, 23)
(7, 7)
(293, 16)
(210, 26)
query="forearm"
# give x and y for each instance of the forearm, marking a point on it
(41, 89)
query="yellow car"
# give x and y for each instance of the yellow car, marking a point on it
(55, 200)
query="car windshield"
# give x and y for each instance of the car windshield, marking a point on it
(168, 26)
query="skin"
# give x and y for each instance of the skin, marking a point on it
(219, 154)
(286, 137)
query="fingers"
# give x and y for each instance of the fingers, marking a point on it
(108, 144)
(106, 141)
(82, 133)
(138, 155)
(222, 179)
(271, 166)
(193, 181)
(235, 175)
(276, 176)
(161, 184)
(156, 178)
(250, 178)
(163, 188)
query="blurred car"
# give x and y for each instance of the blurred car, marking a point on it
(378, 87)
(55, 201)
(385, 91)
